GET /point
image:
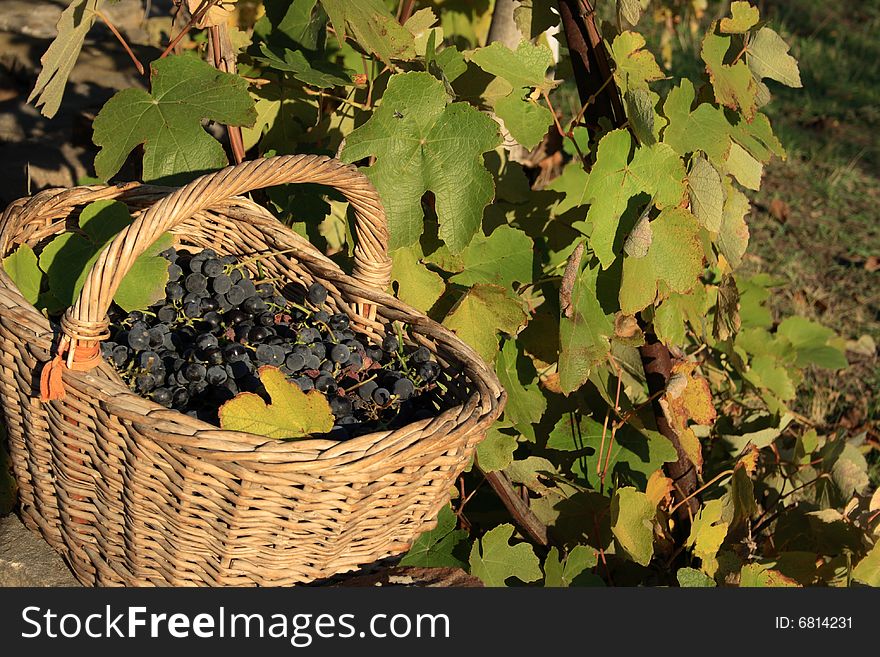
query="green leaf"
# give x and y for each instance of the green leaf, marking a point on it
(495, 452)
(756, 136)
(584, 337)
(745, 168)
(494, 560)
(733, 234)
(574, 432)
(168, 120)
(643, 118)
(436, 548)
(291, 413)
(733, 85)
(523, 69)
(743, 18)
(292, 21)
(502, 258)
(703, 129)
(416, 285)
(69, 257)
(707, 534)
(525, 401)
(483, 312)
(674, 259)
(634, 456)
(632, 523)
(867, 571)
(635, 65)
(422, 144)
(573, 185)
(59, 59)
(373, 27)
(766, 372)
(811, 341)
(319, 74)
(563, 573)
(21, 265)
(144, 284)
(655, 170)
(755, 575)
(767, 57)
(525, 119)
(707, 195)
(693, 578)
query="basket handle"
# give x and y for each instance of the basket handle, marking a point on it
(84, 325)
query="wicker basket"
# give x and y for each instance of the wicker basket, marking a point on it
(131, 493)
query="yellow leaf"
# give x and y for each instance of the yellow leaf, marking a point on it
(292, 413)
(659, 488)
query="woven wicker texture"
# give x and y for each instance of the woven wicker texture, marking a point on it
(131, 493)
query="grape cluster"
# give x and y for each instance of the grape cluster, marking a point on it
(203, 344)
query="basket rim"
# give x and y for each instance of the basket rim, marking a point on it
(487, 393)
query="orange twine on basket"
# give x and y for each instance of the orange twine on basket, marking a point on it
(85, 357)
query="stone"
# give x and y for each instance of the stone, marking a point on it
(27, 560)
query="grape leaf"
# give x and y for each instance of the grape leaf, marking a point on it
(655, 170)
(707, 534)
(59, 59)
(757, 137)
(373, 27)
(291, 413)
(168, 120)
(743, 18)
(630, 11)
(494, 560)
(523, 69)
(436, 548)
(733, 236)
(867, 571)
(525, 402)
(483, 312)
(318, 74)
(69, 257)
(632, 523)
(21, 265)
(634, 456)
(635, 65)
(502, 258)
(495, 451)
(703, 129)
(416, 285)
(707, 195)
(675, 258)
(745, 168)
(812, 343)
(574, 432)
(422, 144)
(755, 575)
(767, 57)
(144, 284)
(734, 85)
(573, 185)
(564, 573)
(292, 21)
(693, 578)
(584, 337)
(646, 124)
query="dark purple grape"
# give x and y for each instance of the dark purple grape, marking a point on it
(317, 294)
